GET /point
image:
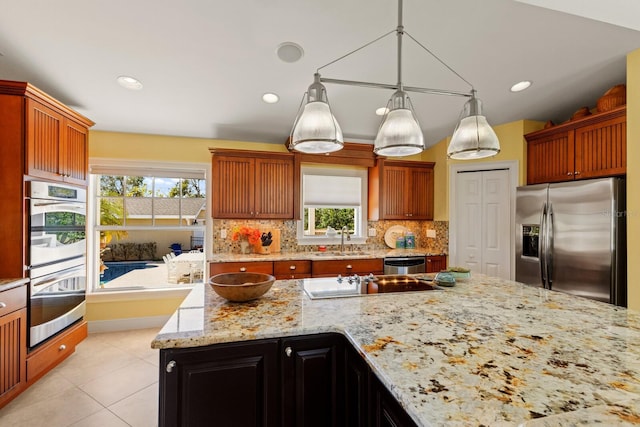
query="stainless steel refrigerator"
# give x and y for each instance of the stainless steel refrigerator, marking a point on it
(571, 237)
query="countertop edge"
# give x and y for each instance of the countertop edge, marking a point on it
(7, 284)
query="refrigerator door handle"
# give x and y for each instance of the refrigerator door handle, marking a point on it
(542, 246)
(549, 246)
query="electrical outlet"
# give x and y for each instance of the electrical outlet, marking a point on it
(431, 234)
(372, 232)
(223, 233)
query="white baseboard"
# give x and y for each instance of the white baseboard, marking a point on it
(127, 324)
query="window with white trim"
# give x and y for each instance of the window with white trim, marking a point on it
(332, 198)
(142, 212)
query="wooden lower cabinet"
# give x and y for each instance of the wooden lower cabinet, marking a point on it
(347, 267)
(265, 267)
(49, 354)
(296, 269)
(312, 372)
(233, 384)
(436, 263)
(13, 349)
(385, 409)
(357, 395)
(311, 380)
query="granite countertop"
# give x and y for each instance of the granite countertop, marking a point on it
(317, 256)
(6, 284)
(485, 352)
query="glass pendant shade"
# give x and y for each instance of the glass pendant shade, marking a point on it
(473, 137)
(316, 130)
(399, 133)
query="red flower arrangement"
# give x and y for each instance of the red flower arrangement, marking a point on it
(251, 234)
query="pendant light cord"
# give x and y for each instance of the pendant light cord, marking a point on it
(356, 50)
(400, 32)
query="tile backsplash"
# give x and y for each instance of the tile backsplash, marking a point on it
(288, 241)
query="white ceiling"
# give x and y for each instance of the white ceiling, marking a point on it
(206, 63)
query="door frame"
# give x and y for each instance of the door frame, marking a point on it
(512, 166)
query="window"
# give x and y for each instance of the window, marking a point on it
(142, 219)
(332, 198)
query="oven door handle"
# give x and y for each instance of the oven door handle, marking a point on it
(43, 282)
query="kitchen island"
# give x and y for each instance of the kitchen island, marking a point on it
(486, 352)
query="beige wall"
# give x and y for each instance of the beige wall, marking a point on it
(512, 147)
(115, 145)
(633, 178)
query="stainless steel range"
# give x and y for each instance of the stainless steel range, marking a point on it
(351, 286)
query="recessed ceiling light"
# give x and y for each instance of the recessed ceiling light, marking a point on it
(382, 111)
(289, 52)
(129, 82)
(270, 98)
(520, 86)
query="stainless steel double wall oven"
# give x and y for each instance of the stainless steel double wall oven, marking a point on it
(57, 258)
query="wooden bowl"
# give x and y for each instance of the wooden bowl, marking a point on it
(239, 287)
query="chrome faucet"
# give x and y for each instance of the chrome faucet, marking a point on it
(345, 229)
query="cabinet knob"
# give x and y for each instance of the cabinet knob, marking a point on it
(349, 267)
(428, 260)
(288, 351)
(292, 267)
(62, 347)
(243, 269)
(170, 366)
(2, 305)
(410, 214)
(577, 173)
(569, 174)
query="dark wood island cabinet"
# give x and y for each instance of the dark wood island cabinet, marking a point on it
(312, 380)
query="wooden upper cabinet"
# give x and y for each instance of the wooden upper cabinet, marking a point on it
(401, 190)
(601, 149)
(251, 184)
(594, 146)
(57, 146)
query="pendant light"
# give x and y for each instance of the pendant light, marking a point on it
(316, 130)
(473, 138)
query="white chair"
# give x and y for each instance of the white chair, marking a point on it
(172, 273)
(196, 272)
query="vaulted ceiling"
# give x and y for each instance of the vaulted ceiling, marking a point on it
(206, 64)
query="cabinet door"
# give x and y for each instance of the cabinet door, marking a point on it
(601, 149)
(419, 195)
(551, 159)
(74, 152)
(274, 188)
(233, 187)
(312, 371)
(13, 350)
(393, 198)
(436, 263)
(356, 389)
(44, 130)
(224, 385)
(386, 411)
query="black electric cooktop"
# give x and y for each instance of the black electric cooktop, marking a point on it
(340, 287)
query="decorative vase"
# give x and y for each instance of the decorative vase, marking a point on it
(244, 247)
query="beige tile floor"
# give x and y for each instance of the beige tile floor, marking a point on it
(110, 381)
